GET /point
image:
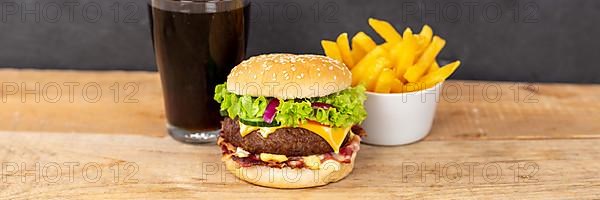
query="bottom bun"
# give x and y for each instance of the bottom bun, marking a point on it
(330, 171)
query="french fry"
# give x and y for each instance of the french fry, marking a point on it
(344, 46)
(426, 33)
(396, 86)
(373, 72)
(378, 51)
(434, 78)
(434, 67)
(385, 30)
(394, 52)
(414, 73)
(331, 50)
(424, 38)
(363, 41)
(359, 72)
(385, 81)
(405, 62)
(361, 68)
(405, 54)
(357, 52)
(388, 45)
(440, 74)
(428, 57)
(408, 34)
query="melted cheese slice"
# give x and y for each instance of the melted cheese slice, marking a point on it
(334, 136)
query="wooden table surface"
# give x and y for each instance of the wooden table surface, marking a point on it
(100, 135)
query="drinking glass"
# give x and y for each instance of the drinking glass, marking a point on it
(196, 43)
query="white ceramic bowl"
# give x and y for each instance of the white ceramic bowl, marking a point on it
(397, 119)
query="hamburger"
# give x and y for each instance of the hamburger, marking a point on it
(290, 121)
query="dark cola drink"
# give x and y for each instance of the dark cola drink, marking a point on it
(196, 44)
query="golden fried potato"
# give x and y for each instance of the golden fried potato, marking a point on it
(403, 63)
(359, 72)
(408, 33)
(363, 41)
(388, 45)
(385, 30)
(373, 72)
(434, 67)
(414, 73)
(397, 86)
(440, 74)
(361, 68)
(357, 52)
(424, 38)
(344, 47)
(405, 54)
(331, 50)
(385, 81)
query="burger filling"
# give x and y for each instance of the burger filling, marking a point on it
(247, 159)
(283, 141)
(292, 133)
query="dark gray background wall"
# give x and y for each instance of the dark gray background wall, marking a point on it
(529, 40)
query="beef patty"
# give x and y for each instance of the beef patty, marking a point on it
(284, 141)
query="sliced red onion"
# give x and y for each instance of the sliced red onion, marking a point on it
(271, 110)
(320, 105)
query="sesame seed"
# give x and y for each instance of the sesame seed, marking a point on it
(334, 77)
(293, 69)
(330, 67)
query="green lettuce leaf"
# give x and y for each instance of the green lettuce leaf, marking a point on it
(347, 107)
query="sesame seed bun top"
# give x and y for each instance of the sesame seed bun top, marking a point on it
(289, 76)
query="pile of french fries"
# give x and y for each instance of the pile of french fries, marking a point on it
(403, 63)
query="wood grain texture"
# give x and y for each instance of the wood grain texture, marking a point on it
(489, 139)
(152, 167)
(505, 110)
(467, 109)
(70, 101)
